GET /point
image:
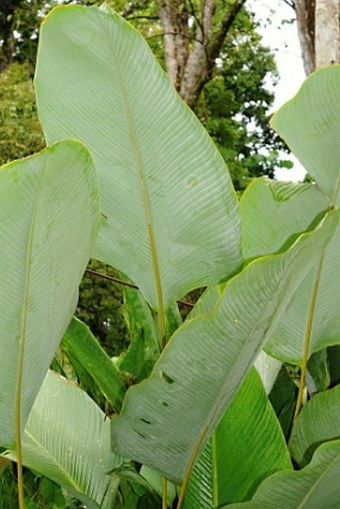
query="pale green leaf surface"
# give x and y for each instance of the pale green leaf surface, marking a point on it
(80, 341)
(171, 212)
(67, 439)
(309, 124)
(319, 421)
(167, 419)
(288, 338)
(247, 446)
(49, 215)
(267, 367)
(315, 487)
(273, 214)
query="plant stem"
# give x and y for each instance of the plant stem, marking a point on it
(307, 339)
(162, 328)
(164, 493)
(21, 351)
(18, 448)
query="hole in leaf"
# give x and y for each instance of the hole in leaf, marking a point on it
(140, 434)
(145, 420)
(167, 378)
(164, 403)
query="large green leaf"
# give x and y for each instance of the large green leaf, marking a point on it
(287, 341)
(67, 439)
(247, 446)
(273, 214)
(309, 123)
(171, 215)
(319, 421)
(167, 419)
(49, 215)
(316, 486)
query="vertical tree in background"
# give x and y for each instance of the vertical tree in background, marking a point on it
(319, 31)
(327, 32)
(191, 65)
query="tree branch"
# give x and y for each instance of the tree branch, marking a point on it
(142, 17)
(193, 13)
(126, 283)
(216, 44)
(290, 3)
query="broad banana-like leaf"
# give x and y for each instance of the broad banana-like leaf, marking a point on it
(171, 214)
(67, 439)
(49, 214)
(272, 216)
(80, 341)
(267, 367)
(319, 421)
(316, 486)
(287, 342)
(247, 446)
(167, 419)
(274, 213)
(309, 124)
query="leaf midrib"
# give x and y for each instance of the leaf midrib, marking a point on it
(54, 461)
(144, 192)
(24, 317)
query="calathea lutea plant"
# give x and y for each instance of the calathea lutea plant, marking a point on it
(131, 178)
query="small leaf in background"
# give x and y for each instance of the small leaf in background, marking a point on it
(155, 480)
(283, 399)
(145, 347)
(333, 355)
(318, 372)
(319, 421)
(82, 345)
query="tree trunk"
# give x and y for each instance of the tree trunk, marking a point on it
(191, 66)
(327, 32)
(319, 32)
(305, 17)
(174, 18)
